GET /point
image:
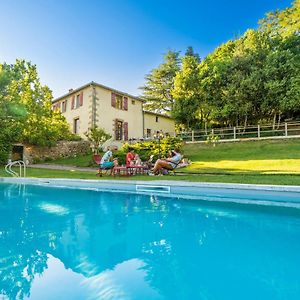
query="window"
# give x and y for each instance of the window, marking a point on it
(133, 102)
(119, 102)
(64, 106)
(156, 119)
(148, 133)
(77, 104)
(119, 130)
(76, 126)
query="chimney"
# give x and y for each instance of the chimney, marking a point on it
(70, 90)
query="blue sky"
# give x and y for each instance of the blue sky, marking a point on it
(117, 42)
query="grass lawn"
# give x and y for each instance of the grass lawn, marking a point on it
(259, 162)
(259, 157)
(282, 179)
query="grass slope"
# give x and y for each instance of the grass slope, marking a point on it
(255, 157)
(259, 162)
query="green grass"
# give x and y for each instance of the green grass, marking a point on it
(230, 178)
(256, 157)
(259, 162)
(78, 161)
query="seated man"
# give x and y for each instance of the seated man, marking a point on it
(107, 161)
(169, 163)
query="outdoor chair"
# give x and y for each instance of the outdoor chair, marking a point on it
(101, 171)
(179, 165)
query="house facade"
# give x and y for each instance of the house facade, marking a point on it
(118, 113)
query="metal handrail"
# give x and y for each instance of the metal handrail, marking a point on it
(22, 166)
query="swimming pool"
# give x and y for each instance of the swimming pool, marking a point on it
(67, 243)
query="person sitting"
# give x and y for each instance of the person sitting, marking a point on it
(107, 161)
(137, 160)
(130, 157)
(169, 163)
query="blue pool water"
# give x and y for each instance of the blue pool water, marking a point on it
(81, 244)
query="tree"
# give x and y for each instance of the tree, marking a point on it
(190, 52)
(284, 22)
(97, 137)
(42, 125)
(187, 93)
(11, 114)
(283, 79)
(157, 91)
(25, 109)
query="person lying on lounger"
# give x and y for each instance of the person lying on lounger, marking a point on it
(169, 163)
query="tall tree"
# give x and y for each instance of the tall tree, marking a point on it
(12, 114)
(187, 93)
(284, 22)
(42, 125)
(190, 52)
(157, 91)
(25, 109)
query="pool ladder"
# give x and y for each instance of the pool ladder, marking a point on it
(22, 168)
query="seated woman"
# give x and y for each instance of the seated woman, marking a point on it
(169, 163)
(137, 160)
(130, 157)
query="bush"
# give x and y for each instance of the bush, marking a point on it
(146, 148)
(4, 153)
(121, 156)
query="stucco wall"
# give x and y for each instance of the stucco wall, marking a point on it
(164, 124)
(81, 112)
(97, 108)
(106, 114)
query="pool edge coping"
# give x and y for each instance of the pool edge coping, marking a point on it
(172, 183)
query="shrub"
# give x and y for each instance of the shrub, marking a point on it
(146, 148)
(97, 137)
(4, 153)
(121, 156)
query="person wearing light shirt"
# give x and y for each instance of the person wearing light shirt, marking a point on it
(169, 163)
(107, 160)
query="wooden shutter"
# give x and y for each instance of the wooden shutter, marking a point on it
(125, 103)
(125, 131)
(115, 128)
(73, 102)
(81, 99)
(113, 99)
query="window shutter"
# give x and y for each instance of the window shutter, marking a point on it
(125, 131)
(115, 128)
(113, 99)
(125, 103)
(73, 102)
(81, 99)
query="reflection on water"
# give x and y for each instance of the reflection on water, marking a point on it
(80, 244)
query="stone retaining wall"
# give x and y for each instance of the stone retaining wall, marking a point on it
(35, 154)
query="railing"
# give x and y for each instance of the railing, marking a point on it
(22, 168)
(282, 130)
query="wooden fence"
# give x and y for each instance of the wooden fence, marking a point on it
(252, 132)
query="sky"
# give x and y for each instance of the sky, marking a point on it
(117, 42)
